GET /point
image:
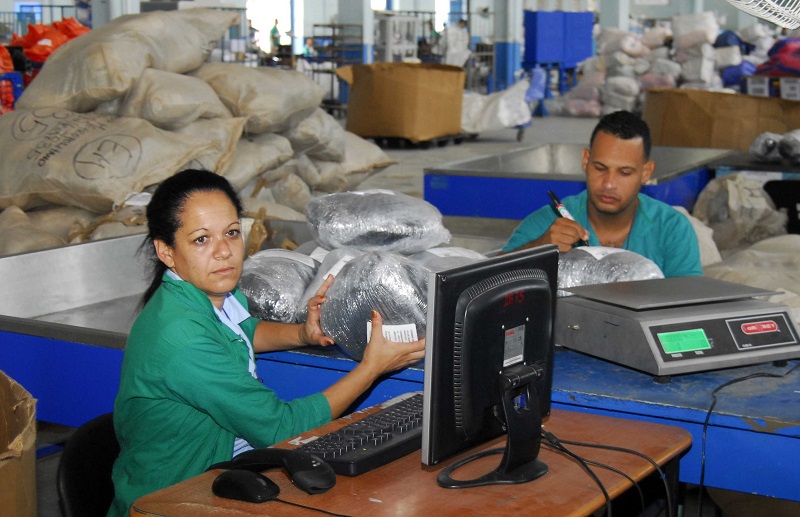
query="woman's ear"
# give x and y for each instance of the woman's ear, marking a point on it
(164, 253)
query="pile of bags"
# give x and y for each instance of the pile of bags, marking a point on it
(379, 245)
(119, 109)
(692, 53)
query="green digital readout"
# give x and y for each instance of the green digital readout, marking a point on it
(684, 341)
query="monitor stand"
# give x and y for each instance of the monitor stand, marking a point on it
(520, 462)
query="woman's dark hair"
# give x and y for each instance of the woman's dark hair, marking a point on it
(166, 207)
(625, 125)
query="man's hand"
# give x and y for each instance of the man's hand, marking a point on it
(564, 233)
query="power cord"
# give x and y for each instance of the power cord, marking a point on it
(708, 418)
(647, 458)
(554, 442)
(615, 470)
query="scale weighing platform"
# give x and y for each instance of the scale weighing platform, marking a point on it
(671, 326)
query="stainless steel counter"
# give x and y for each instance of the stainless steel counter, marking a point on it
(89, 293)
(563, 162)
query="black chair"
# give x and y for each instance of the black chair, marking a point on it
(84, 471)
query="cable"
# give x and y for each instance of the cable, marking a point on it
(708, 418)
(553, 440)
(616, 470)
(655, 465)
(284, 501)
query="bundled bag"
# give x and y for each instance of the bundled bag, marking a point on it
(391, 284)
(332, 263)
(376, 220)
(789, 146)
(274, 281)
(590, 265)
(765, 147)
(439, 259)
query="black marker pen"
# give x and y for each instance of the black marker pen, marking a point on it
(562, 211)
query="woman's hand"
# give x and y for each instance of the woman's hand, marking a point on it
(311, 332)
(382, 355)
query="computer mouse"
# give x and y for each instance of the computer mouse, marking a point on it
(245, 485)
(308, 472)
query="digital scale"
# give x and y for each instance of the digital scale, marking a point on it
(671, 326)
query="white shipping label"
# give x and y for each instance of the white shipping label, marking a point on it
(404, 333)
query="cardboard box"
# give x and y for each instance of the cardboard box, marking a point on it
(17, 449)
(418, 102)
(696, 118)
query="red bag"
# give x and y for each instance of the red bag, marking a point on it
(71, 27)
(6, 63)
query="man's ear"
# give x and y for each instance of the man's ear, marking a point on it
(585, 160)
(164, 253)
(647, 171)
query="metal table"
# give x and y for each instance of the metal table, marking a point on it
(512, 185)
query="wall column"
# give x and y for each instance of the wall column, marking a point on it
(508, 43)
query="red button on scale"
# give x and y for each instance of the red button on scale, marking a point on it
(759, 327)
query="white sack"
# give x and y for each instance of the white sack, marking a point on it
(292, 192)
(271, 98)
(61, 220)
(499, 110)
(772, 263)
(361, 158)
(103, 64)
(171, 101)
(222, 133)
(739, 211)
(255, 155)
(319, 136)
(19, 235)
(709, 253)
(272, 210)
(693, 28)
(87, 160)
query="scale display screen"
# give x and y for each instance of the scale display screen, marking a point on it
(684, 341)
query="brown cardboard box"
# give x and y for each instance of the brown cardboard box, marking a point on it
(404, 100)
(696, 118)
(17, 449)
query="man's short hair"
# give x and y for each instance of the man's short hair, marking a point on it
(624, 125)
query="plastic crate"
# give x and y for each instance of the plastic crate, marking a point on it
(10, 89)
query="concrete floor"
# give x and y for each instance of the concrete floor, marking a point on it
(405, 176)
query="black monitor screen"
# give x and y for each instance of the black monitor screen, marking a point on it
(489, 358)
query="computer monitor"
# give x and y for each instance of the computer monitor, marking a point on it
(489, 363)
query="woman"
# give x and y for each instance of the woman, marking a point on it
(188, 395)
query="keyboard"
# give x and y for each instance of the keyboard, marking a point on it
(378, 439)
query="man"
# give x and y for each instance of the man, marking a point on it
(611, 211)
(275, 38)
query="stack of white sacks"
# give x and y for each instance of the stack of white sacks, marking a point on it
(116, 111)
(684, 55)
